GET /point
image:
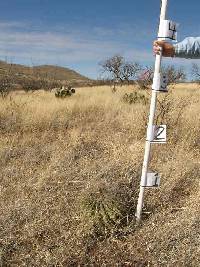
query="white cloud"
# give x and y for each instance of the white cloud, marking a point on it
(11, 24)
(69, 46)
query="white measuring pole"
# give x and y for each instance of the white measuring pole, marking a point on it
(150, 125)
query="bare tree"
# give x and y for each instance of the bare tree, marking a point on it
(130, 71)
(196, 72)
(174, 75)
(120, 71)
(113, 66)
(145, 78)
(6, 82)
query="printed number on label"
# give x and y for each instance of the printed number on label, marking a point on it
(159, 134)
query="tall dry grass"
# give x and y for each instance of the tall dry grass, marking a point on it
(70, 172)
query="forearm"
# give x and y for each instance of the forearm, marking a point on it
(188, 48)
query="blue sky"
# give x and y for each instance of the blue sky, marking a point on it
(79, 34)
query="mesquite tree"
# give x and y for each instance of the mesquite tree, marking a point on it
(196, 73)
(119, 70)
(174, 75)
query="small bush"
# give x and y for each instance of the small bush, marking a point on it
(135, 97)
(5, 85)
(32, 84)
(109, 210)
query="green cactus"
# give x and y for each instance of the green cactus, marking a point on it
(64, 92)
(135, 97)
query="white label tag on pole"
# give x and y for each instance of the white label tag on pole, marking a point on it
(160, 83)
(158, 134)
(152, 180)
(167, 30)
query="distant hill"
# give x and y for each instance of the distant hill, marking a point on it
(49, 72)
(58, 73)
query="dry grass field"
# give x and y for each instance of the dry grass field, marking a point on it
(70, 173)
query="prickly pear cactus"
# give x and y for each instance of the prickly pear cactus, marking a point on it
(64, 92)
(135, 97)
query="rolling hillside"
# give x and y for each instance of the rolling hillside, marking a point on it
(49, 72)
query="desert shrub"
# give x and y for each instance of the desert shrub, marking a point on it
(166, 106)
(32, 84)
(135, 97)
(5, 85)
(6, 81)
(109, 210)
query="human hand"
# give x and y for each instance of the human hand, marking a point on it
(166, 48)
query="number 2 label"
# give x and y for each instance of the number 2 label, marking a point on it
(159, 134)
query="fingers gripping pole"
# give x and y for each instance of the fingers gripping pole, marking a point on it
(150, 124)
